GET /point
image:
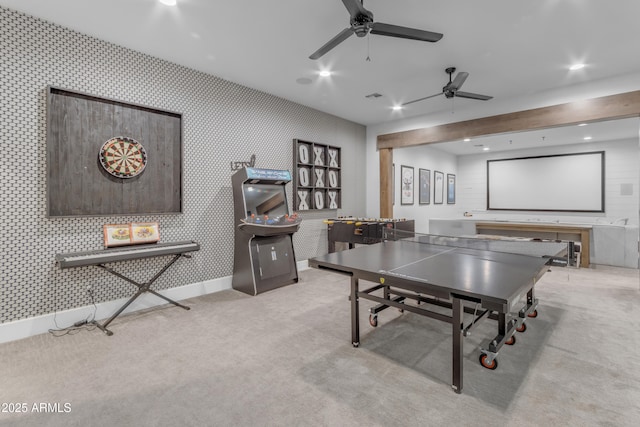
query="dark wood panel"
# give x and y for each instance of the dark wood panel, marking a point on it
(77, 127)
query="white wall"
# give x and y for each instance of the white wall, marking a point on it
(424, 157)
(621, 167)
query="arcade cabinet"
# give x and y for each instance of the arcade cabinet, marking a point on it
(263, 256)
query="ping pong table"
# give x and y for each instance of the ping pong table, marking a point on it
(482, 277)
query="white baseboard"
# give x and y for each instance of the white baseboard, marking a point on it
(25, 328)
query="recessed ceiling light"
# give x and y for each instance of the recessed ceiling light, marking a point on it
(396, 107)
(325, 73)
(168, 2)
(576, 67)
(586, 138)
(467, 139)
(485, 149)
(582, 124)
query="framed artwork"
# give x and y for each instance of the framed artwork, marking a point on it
(406, 183)
(451, 189)
(144, 232)
(116, 235)
(424, 194)
(438, 187)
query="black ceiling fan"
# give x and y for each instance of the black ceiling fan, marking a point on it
(452, 88)
(362, 23)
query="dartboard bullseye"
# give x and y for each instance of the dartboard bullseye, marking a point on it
(123, 157)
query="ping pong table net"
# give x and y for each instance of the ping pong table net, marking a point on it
(555, 249)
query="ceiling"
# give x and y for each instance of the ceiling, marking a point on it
(510, 48)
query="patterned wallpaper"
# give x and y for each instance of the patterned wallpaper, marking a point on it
(223, 122)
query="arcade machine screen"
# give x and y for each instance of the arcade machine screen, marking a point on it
(265, 199)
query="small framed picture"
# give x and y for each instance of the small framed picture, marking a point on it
(424, 194)
(144, 232)
(116, 235)
(451, 188)
(438, 187)
(406, 183)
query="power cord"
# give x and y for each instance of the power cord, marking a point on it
(88, 324)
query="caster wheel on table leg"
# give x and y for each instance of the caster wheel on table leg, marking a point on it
(483, 361)
(373, 320)
(521, 328)
(511, 341)
(534, 313)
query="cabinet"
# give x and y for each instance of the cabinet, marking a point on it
(317, 177)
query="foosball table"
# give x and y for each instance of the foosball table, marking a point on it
(365, 231)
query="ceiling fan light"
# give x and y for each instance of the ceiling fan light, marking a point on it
(575, 67)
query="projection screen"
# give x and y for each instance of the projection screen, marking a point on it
(566, 182)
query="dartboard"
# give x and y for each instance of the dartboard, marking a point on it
(123, 157)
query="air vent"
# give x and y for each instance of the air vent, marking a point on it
(374, 95)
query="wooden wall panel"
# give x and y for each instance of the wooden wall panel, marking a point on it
(386, 183)
(77, 127)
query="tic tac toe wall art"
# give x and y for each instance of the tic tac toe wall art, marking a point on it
(316, 179)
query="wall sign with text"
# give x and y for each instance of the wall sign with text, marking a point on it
(316, 180)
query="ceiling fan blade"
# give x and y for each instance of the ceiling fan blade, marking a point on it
(355, 8)
(421, 99)
(473, 96)
(458, 81)
(342, 36)
(404, 32)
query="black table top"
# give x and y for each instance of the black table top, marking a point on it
(485, 271)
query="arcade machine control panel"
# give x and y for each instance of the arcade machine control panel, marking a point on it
(263, 225)
(364, 231)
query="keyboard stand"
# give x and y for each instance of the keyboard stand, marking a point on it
(142, 288)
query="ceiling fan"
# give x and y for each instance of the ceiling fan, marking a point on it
(362, 23)
(451, 89)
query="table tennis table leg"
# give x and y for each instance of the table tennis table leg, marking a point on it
(456, 330)
(355, 313)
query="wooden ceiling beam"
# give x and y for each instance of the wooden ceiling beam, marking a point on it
(591, 110)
